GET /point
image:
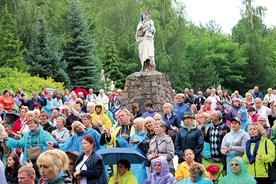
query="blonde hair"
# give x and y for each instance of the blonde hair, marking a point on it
(54, 158)
(62, 120)
(30, 113)
(74, 124)
(206, 116)
(259, 127)
(140, 122)
(148, 119)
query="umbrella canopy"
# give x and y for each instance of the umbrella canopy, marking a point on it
(14, 116)
(113, 155)
(81, 89)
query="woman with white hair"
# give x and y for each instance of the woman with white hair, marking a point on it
(102, 98)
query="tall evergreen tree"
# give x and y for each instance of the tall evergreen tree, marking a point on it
(44, 57)
(83, 68)
(110, 59)
(11, 52)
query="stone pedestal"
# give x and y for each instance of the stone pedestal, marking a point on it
(151, 86)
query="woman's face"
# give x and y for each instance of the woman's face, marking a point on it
(135, 126)
(121, 169)
(235, 166)
(79, 128)
(86, 121)
(194, 177)
(10, 161)
(149, 125)
(32, 125)
(167, 109)
(86, 146)
(91, 109)
(235, 126)
(47, 173)
(158, 130)
(59, 123)
(253, 131)
(158, 167)
(71, 165)
(189, 156)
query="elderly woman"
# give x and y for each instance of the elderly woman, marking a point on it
(189, 137)
(233, 143)
(89, 166)
(161, 145)
(196, 175)
(183, 169)
(33, 142)
(258, 153)
(52, 165)
(72, 144)
(238, 173)
(61, 134)
(161, 172)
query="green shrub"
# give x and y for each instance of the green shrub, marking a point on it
(12, 79)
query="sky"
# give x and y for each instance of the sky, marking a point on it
(226, 13)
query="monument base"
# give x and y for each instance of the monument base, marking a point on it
(151, 86)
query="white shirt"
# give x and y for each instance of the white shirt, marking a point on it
(82, 166)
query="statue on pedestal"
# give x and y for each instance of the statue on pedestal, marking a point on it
(145, 39)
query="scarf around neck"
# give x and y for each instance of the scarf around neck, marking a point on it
(256, 140)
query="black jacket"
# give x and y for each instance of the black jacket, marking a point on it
(95, 173)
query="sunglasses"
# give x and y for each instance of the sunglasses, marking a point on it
(157, 165)
(235, 164)
(71, 163)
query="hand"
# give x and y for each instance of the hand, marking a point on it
(124, 135)
(229, 148)
(224, 150)
(29, 163)
(76, 174)
(50, 144)
(258, 156)
(107, 133)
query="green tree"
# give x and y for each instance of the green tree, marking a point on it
(110, 59)
(44, 57)
(83, 68)
(250, 33)
(11, 52)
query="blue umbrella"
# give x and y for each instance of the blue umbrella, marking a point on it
(112, 155)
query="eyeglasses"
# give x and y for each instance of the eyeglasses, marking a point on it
(30, 123)
(262, 120)
(234, 164)
(71, 163)
(157, 165)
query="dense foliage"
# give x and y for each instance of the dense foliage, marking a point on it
(96, 35)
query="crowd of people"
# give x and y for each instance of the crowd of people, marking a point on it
(53, 138)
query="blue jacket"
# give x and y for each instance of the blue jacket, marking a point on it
(74, 142)
(259, 94)
(180, 109)
(95, 172)
(114, 109)
(189, 139)
(30, 140)
(173, 120)
(149, 113)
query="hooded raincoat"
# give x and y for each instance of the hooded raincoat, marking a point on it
(165, 177)
(244, 177)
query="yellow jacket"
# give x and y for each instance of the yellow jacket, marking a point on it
(102, 117)
(183, 171)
